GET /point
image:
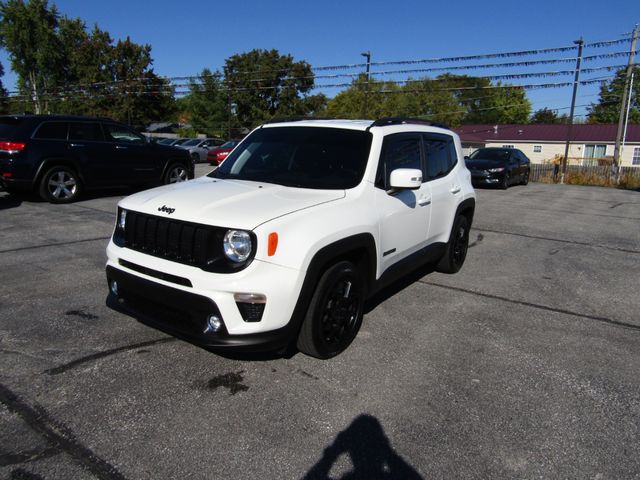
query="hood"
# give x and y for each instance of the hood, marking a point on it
(226, 203)
(480, 164)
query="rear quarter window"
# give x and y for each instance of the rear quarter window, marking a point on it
(11, 126)
(52, 131)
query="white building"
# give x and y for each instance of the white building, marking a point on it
(590, 144)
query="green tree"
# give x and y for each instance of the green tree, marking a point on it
(547, 116)
(264, 84)
(28, 33)
(382, 102)
(4, 101)
(485, 102)
(607, 110)
(207, 104)
(64, 68)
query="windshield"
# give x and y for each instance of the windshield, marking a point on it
(498, 154)
(191, 143)
(305, 157)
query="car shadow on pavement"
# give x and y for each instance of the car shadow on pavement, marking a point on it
(396, 287)
(369, 451)
(8, 201)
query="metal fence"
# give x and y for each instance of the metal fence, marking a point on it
(584, 174)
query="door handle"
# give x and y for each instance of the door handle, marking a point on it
(76, 145)
(455, 189)
(121, 147)
(424, 201)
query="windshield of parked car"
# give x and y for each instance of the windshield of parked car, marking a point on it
(229, 144)
(191, 143)
(304, 157)
(490, 154)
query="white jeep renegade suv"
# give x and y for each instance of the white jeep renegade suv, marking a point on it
(285, 241)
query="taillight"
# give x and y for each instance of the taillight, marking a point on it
(12, 147)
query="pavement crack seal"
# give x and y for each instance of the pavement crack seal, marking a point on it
(58, 435)
(95, 356)
(59, 244)
(560, 240)
(608, 321)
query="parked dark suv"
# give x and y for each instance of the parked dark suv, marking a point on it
(498, 166)
(60, 156)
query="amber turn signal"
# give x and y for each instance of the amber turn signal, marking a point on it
(273, 244)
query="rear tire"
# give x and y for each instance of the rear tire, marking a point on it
(456, 251)
(335, 312)
(175, 173)
(59, 184)
(525, 179)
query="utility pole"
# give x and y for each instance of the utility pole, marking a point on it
(580, 43)
(365, 107)
(617, 152)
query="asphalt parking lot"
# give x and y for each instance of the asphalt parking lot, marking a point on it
(524, 365)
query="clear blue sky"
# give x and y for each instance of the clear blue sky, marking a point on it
(188, 35)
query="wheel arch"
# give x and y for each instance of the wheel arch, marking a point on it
(186, 163)
(467, 208)
(359, 249)
(54, 162)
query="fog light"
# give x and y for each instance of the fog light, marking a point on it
(213, 324)
(114, 288)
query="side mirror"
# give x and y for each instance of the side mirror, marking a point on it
(405, 178)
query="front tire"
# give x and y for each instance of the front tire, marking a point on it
(195, 158)
(456, 250)
(175, 173)
(335, 312)
(59, 184)
(505, 182)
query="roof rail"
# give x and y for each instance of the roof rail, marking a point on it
(386, 121)
(296, 119)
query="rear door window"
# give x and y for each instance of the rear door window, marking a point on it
(52, 131)
(438, 152)
(85, 131)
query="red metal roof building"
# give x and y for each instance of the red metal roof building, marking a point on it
(544, 143)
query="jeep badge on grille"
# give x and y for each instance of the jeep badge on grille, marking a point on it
(164, 208)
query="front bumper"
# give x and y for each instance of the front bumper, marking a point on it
(179, 299)
(184, 315)
(486, 178)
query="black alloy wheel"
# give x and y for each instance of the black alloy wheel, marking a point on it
(335, 312)
(456, 250)
(59, 184)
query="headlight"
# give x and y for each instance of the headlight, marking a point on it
(496, 170)
(237, 245)
(122, 219)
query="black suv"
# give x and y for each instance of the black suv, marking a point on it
(60, 156)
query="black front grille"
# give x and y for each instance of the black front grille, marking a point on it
(183, 242)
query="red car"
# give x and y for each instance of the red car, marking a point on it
(218, 154)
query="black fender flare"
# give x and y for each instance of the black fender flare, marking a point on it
(467, 208)
(359, 249)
